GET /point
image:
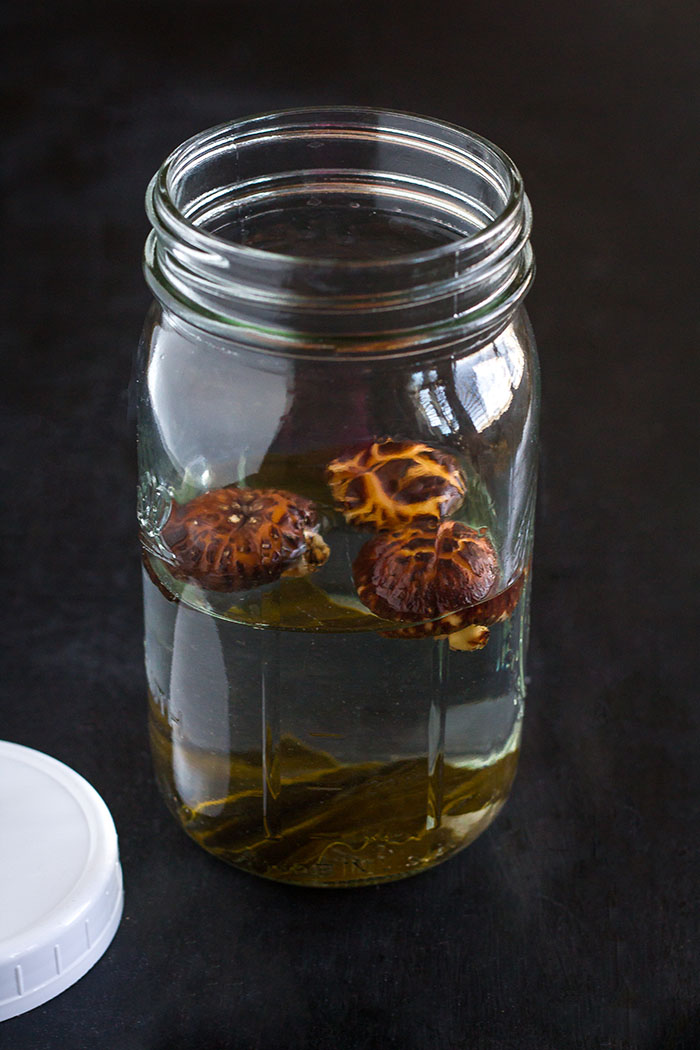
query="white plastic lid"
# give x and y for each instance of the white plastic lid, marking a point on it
(61, 893)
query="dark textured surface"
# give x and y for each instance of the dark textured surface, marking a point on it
(574, 922)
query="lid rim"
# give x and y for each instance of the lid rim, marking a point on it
(62, 927)
(54, 986)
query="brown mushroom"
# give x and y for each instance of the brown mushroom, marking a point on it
(233, 538)
(391, 483)
(435, 575)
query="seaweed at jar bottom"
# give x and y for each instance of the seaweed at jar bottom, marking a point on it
(328, 754)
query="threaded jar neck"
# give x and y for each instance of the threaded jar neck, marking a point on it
(339, 231)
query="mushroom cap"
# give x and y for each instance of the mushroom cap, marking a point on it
(233, 538)
(425, 572)
(390, 483)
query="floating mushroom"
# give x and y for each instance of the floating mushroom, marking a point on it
(233, 538)
(391, 483)
(428, 574)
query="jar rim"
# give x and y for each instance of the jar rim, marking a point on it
(456, 179)
(161, 207)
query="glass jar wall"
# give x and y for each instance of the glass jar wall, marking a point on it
(338, 400)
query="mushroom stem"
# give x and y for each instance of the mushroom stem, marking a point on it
(470, 638)
(314, 554)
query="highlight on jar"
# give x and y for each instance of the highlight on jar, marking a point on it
(338, 399)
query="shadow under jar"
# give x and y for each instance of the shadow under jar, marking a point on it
(338, 402)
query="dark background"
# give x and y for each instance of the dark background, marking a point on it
(574, 922)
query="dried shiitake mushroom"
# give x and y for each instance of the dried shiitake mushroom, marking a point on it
(425, 573)
(391, 483)
(233, 538)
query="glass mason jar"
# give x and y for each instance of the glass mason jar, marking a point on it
(338, 402)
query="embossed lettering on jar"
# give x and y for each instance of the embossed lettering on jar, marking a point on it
(338, 406)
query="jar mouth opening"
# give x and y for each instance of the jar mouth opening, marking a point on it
(166, 203)
(253, 226)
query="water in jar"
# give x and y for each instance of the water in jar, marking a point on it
(294, 739)
(294, 734)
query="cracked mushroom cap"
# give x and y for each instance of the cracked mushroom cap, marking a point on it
(232, 538)
(390, 483)
(424, 573)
